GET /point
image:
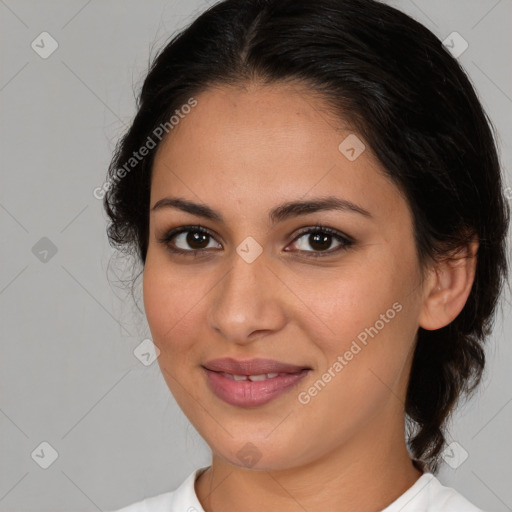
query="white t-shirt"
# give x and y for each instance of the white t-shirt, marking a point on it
(427, 494)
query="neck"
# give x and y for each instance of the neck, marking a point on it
(366, 474)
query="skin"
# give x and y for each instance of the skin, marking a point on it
(242, 151)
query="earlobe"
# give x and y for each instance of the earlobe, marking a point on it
(448, 288)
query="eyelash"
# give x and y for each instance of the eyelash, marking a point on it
(343, 239)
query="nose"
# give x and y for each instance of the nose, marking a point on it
(247, 302)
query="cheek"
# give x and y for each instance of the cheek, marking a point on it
(354, 299)
(172, 305)
(381, 316)
(371, 328)
(170, 302)
(157, 298)
(372, 317)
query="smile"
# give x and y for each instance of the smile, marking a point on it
(251, 390)
(252, 378)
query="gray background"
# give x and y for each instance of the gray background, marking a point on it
(68, 375)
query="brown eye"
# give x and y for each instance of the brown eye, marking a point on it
(196, 239)
(320, 239)
(188, 239)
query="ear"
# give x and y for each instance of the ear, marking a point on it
(448, 288)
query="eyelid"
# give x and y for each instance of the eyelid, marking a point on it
(345, 242)
(173, 232)
(325, 229)
(184, 228)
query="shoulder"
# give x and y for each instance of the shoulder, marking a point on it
(447, 499)
(428, 494)
(152, 504)
(182, 499)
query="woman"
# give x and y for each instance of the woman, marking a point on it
(314, 195)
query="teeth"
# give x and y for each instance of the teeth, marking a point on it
(252, 378)
(263, 376)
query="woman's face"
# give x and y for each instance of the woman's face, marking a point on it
(345, 314)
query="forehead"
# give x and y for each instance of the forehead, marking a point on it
(275, 143)
(278, 115)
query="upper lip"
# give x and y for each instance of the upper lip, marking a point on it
(251, 366)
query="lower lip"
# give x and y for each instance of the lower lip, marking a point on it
(245, 393)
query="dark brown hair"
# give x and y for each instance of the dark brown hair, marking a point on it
(416, 108)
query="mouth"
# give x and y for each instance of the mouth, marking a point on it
(252, 367)
(254, 378)
(251, 383)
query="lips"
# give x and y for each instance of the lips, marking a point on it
(252, 366)
(253, 382)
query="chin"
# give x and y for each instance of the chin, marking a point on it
(260, 455)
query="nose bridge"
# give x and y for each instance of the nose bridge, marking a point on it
(245, 301)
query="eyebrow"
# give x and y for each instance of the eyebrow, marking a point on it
(277, 214)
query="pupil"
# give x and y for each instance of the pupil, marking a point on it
(322, 241)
